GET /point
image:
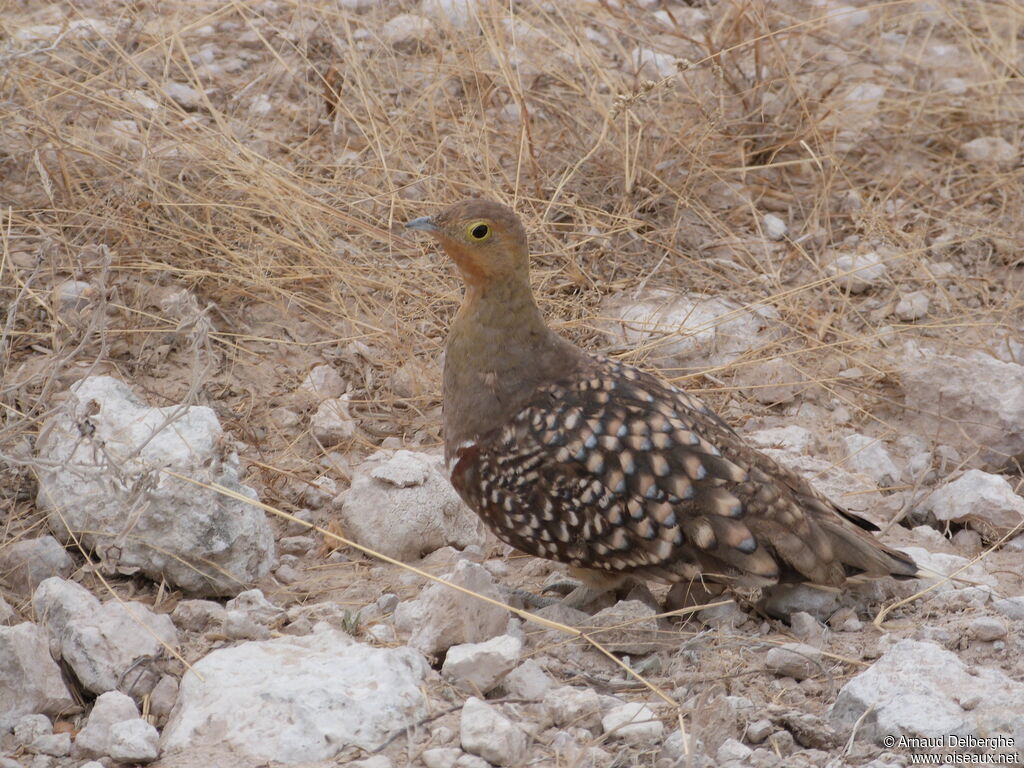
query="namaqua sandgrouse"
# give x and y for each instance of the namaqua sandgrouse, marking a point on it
(573, 457)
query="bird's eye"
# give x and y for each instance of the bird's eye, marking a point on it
(479, 231)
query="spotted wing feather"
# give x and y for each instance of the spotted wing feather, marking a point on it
(614, 470)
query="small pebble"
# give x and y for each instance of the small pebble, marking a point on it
(796, 660)
(732, 750)
(988, 628)
(759, 730)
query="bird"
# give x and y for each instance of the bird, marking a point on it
(574, 457)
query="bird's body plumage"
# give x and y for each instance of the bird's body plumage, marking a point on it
(574, 457)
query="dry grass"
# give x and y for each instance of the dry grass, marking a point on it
(281, 218)
(272, 191)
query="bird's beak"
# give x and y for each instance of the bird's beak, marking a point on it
(424, 223)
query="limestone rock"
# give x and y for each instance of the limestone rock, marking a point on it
(970, 403)
(688, 331)
(403, 506)
(983, 501)
(109, 708)
(857, 272)
(442, 617)
(30, 680)
(796, 660)
(916, 689)
(481, 666)
(25, 563)
(327, 692)
(101, 642)
(638, 633)
(484, 731)
(633, 722)
(870, 457)
(102, 457)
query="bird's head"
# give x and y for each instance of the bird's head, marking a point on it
(485, 239)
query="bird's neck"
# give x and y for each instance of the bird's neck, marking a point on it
(499, 351)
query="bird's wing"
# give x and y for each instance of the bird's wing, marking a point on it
(614, 470)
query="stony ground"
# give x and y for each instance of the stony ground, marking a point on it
(214, 336)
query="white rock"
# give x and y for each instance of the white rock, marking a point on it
(853, 112)
(285, 418)
(975, 402)
(870, 456)
(183, 94)
(409, 33)
(912, 306)
(134, 741)
(198, 615)
(30, 680)
(988, 628)
(140, 99)
(73, 294)
(1010, 607)
(574, 707)
(296, 545)
(792, 438)
(30, 727)
(333, 423)
(327, 692)
(484, 731)
(857, 272)
(441, 757)
(808, 629)
(8, 616)
(239, 625)
(458, 13)
(261, 105)
(985, 502)
(102, 642)
(25, 563)
(403, 506)
(481, 666)
(163, 696)
(774, 227)
(253, 603)
(631, 625)
(796, 660)
(53, 744)
(687, 331)
(76, 28)
(110, 708)
(915, 690)
(634, 723)
(772, 382)
(758, 731)
(651, 64)
(732, 750)
(989, 150)
(527, 681)
(442, 617)
(323, 382)
(845, 19)
(946, 565)
(377, 761)
(318, 492)
(90, 481)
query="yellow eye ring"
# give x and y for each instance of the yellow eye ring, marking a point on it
(478, 231)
